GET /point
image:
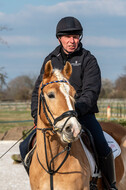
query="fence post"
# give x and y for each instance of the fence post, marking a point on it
(108, 112)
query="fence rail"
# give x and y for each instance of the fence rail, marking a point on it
(117, 107)
(113, 108)
(17, 106)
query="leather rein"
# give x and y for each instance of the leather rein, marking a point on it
(53, 128)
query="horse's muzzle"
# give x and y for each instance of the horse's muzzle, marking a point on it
(71, 132)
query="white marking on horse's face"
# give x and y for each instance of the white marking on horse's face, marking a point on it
(64, 88)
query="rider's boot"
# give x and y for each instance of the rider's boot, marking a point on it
(16, 158)
(107, 167)
(25, 146)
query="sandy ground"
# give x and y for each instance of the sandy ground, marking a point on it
(12, 176)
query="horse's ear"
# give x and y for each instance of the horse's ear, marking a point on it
(48, 69)
(67, 70)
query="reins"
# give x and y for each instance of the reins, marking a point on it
(16, 142)
(69, 114)
(49, 169)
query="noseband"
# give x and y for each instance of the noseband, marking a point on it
(69, 114)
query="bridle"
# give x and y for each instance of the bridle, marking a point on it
(53, 128)
(69, 114)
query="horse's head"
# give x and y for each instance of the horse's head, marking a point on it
(56, 105)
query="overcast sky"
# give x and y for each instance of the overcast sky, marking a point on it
(31, 33)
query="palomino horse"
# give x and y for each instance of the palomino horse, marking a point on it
(57, 128)
(59, 161)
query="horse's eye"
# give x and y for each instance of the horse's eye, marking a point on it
(51, 95)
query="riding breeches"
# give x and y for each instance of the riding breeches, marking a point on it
(90, 122)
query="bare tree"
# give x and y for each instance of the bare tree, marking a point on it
(20, 88)
(120, 83)
(107, 88)
(3, 76)
(125, 71)
(116, 89)
(120, 87)
(2, 41)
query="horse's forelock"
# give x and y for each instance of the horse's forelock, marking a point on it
(58, 74)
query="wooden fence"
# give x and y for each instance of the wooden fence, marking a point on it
(113, 108)
(18, 106)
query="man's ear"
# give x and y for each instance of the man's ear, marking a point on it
(59, 40)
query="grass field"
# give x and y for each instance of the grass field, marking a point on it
(14, 118)
(18, 114)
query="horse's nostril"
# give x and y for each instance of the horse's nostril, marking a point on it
(68, 129)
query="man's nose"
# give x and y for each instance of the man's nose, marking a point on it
(71, 39)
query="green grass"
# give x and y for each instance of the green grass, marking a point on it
(14, 119)
(16, 116)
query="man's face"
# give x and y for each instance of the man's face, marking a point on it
(69, 42)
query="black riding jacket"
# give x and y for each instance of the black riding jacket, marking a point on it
(85, 78)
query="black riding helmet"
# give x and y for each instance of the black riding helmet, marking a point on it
(69, 26)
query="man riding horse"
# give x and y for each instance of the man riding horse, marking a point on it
(86, 79)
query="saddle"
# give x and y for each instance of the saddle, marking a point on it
(91, 153)
(88, 145)
(87, 142)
